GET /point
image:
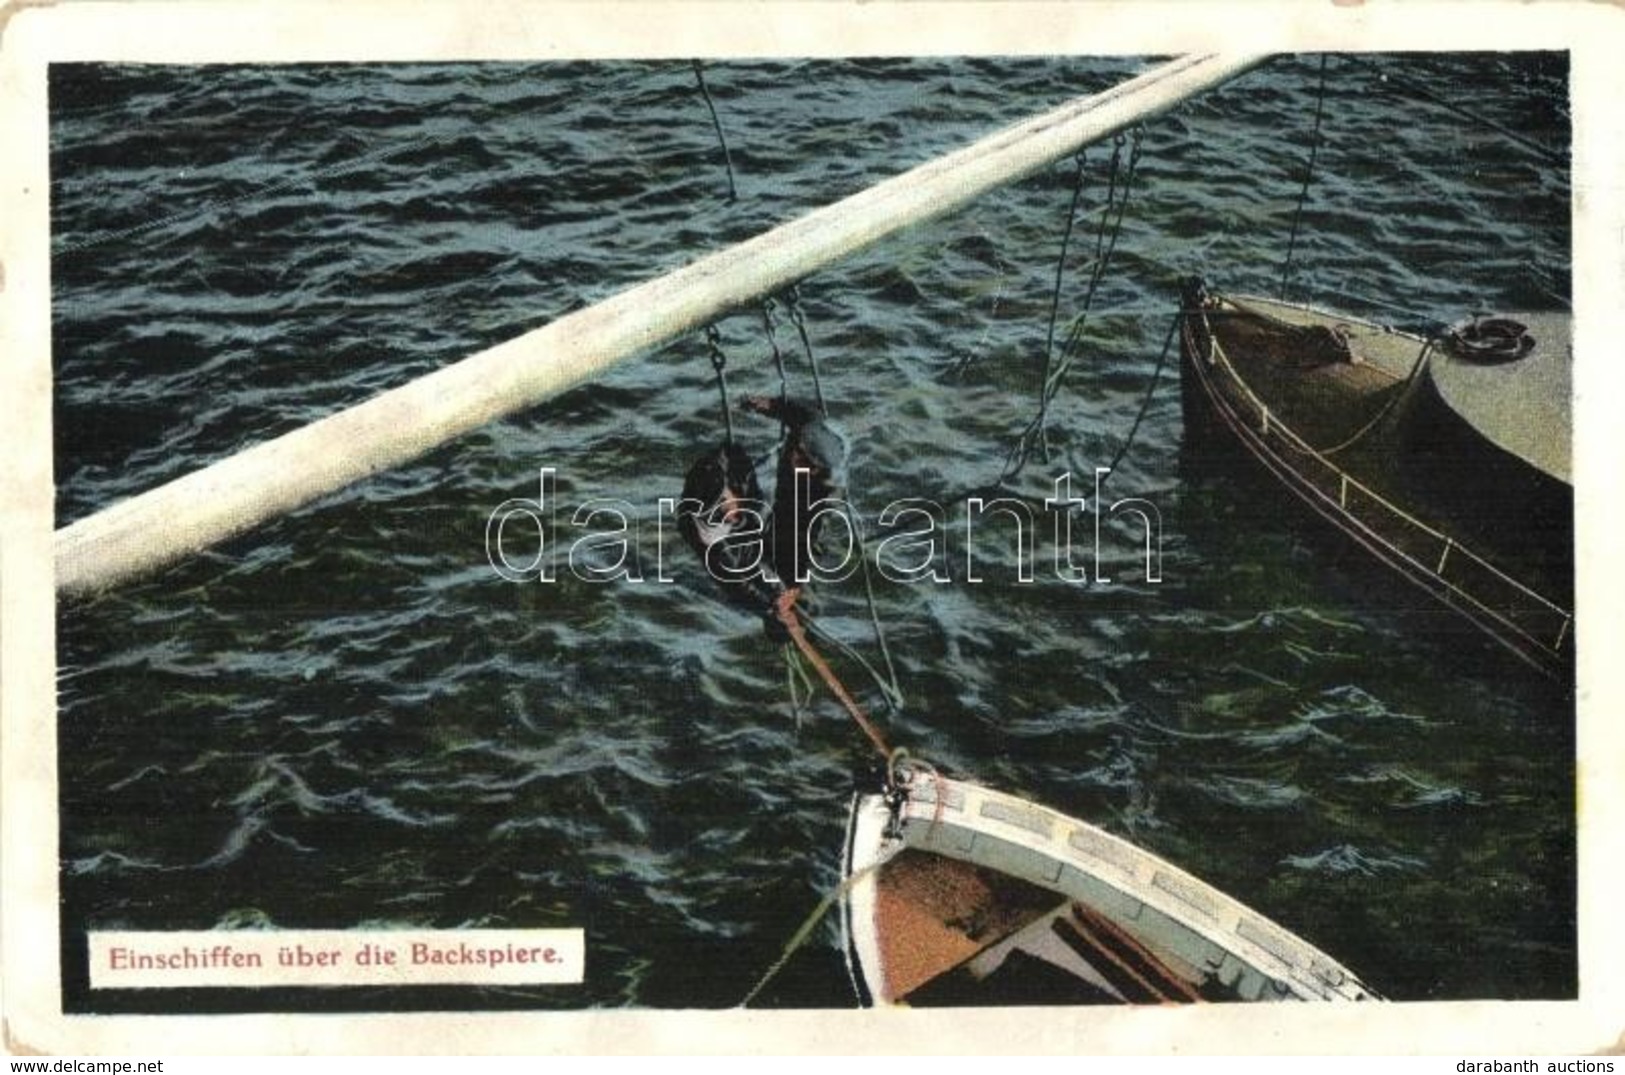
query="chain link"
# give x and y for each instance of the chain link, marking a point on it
(719, 363)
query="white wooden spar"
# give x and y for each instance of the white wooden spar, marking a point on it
(159, 527)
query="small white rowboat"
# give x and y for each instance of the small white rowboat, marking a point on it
(957, 894)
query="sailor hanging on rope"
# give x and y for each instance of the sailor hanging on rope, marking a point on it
(762, 558)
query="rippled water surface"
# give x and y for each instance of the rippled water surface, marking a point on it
(346, 719)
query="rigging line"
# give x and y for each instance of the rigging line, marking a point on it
(962, 363)
(804, 931)
(1074, 342)
(1116, 190)
(1016, 459)
(1398, 84)
(1308, 176)
(1393, 401)
(798, 683)
(1116, 198)
(888, 690)
(1119, 188)
(1145, 403)
(1113, 178)
(1055, 296)
(727, 157)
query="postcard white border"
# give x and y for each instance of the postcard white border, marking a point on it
(34, 34)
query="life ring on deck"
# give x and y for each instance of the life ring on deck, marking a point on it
(1491, 339)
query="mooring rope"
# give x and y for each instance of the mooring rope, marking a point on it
(798, 635)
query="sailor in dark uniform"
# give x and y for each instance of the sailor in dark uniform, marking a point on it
(756, 553)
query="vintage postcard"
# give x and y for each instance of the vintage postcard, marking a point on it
(701, 527)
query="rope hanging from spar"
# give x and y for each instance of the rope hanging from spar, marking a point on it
(1105, 246)
(1055, 298)
(1119, 186)
(716, 122)
(1308, 177)
(1019, 452)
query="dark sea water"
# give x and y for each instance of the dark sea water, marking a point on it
(346, 719)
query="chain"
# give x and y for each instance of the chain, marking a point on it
(768, 306)
(719, 363)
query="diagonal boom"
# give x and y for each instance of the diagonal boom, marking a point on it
(156, 528)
